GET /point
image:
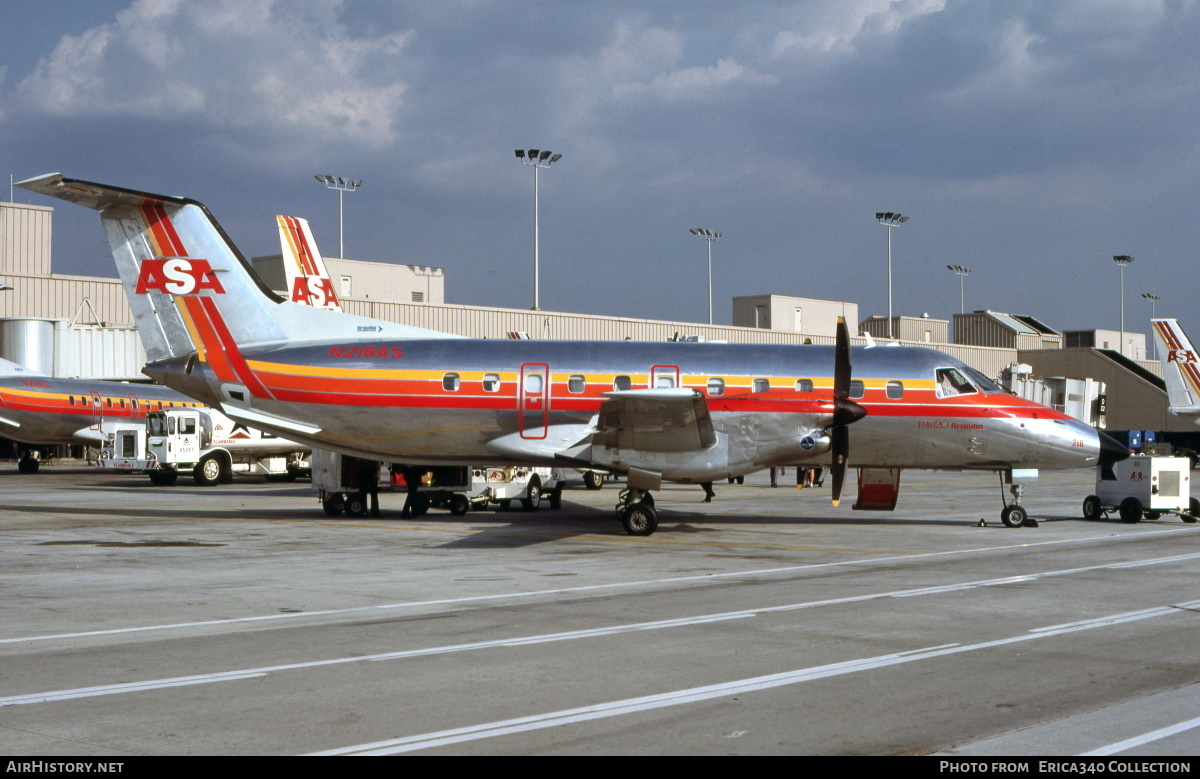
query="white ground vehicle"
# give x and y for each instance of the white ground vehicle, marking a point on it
(1144, 486)
(124, 446)
(453, 487)
(205, 443)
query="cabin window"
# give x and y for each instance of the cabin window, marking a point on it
(576, 384)
(857, 389)
(108, 401)
(716, 386)
(804, 385)
(895, 390)
(664, 382)
(622, 383)
(122, 402)
(761, 385)
(533, 384)
(133, 402)
(72, 398)
(491, 382)
(951, 382)
(451, 382)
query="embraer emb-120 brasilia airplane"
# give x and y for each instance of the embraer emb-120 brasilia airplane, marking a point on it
(687, 412)
(40, 410)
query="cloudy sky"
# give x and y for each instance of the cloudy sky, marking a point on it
(1027, 140)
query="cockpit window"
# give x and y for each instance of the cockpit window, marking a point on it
(951, 382)
(982, 382)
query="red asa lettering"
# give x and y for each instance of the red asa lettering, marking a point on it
(177, 276)
(314, 291)
(1180, 355)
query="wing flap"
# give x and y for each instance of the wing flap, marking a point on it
(655, 420)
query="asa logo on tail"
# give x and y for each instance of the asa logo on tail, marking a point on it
(1181, 355)
(178, 276)
(316, 291)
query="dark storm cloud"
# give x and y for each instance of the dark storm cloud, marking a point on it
(1028, 139)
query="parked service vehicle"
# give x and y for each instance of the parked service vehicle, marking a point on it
(456, 488)
(1144, 486)
(124, 446)
(205, 443)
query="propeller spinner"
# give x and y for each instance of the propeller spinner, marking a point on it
(845, 411)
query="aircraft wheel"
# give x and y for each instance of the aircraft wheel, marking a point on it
(533, 496)
(1014, 516)
(27, 465)
(334, 504)
(208, 471)
(1092, 508)
(162, 478)
(1131, 510)
(593, 480)
(459, 505)
(640, 519)
(555, 498)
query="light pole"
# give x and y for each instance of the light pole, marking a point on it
(890, 219)
(536, 159)
(1153, 304)
(709, 237)
(962, 274)
(1122, 260)
(342, 186)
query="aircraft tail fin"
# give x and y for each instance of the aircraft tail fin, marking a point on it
(191, 290)
(1180, 366)
(308, 280)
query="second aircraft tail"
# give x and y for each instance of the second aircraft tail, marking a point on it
(1180, 366)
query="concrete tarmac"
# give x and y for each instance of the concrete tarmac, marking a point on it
(241, 620)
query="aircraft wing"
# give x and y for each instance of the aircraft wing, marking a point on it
(655, 420)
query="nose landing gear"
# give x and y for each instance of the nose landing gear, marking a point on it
(1014, 514)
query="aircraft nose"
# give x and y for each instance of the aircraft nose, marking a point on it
(1111, 450)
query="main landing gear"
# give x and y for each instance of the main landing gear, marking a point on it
(635, 509)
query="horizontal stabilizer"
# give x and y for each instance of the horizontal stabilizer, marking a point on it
(10, 368)
(259, 419)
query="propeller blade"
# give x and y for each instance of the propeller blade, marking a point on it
(840, 445)
(845, 411)
(841, 361)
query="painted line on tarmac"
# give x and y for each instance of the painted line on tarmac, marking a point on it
(697, 694)
(546, 638)
(652, 583)
(1145, 738)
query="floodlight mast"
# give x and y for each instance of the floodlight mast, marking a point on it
(709, 237)
(342, 186)
(890, 219)
(1122, 260)
(1153, 315)
(536, 159)
(962, 274)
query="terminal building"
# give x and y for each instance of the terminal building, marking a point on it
(82, 327)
